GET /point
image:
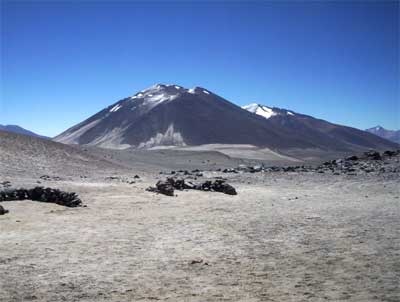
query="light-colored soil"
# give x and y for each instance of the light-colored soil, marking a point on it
(284, 237)
(338, 241)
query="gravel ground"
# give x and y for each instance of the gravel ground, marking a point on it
(283, 238)
(286, 236)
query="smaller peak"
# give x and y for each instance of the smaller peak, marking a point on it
(262, 110)
(255, 106)
(198, 90)
(251, 105)
(376, 128)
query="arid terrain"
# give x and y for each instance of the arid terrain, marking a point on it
(286, 236)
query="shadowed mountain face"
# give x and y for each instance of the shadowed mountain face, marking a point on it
(19, 130)
(392, 135)
(323, 134)
(173, 115)
(165, 115)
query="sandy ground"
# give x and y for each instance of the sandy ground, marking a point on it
(284, 237)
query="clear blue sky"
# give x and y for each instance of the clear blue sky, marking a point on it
(63, 61)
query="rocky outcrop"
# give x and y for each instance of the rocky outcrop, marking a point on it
(168, 186)
(68, 199)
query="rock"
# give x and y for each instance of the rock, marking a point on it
(390, 153)
(255, 169)
(6, 184)
(43, 195)
(136, 176)
(352, 158)
(221, 186)
(3, 211)
(374, 155)
(167, 186)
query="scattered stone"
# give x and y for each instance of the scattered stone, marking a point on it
(47, 177)
(163, 187)
(6, 184)
(122, 179)
(374, 155)
(3, 210)
(390, 153)
(369, 162)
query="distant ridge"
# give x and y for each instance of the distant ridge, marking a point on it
(392, 135)
(19, 130)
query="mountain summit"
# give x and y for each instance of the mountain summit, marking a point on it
(19, 130)
(392, 135)
(171, 115)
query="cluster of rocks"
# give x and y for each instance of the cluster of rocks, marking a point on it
(168, 186)
(48, 177)
(123, 179)
(195, 173)
(68, 199)
(5, 184)
(371, 161)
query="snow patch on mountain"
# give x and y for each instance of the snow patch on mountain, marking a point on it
(260, 110)
(266, 111)
(115, 108)
(169, 138)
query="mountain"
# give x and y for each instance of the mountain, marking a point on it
(323, 134)
(173, 115)
(392, 135)
(165, 115)
(19, 130)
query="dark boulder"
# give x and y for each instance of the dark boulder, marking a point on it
(3, 210)
(221, 186)
(390, 153)
(163, 187)
(374, 155)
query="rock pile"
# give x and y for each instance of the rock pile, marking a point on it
(68, 199)
(128, 180)
(48, 177)
(194, 173)
(168, 186)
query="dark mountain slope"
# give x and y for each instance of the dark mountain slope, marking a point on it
(170, 115)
